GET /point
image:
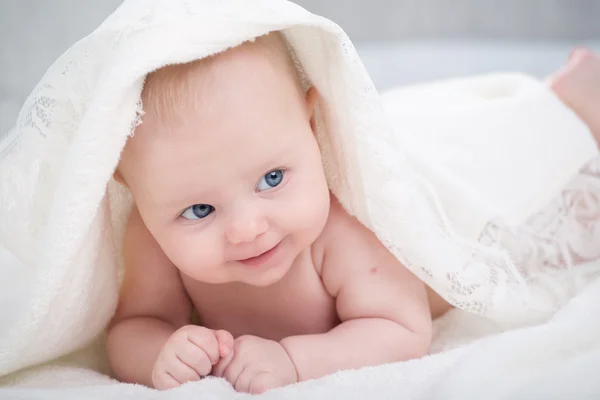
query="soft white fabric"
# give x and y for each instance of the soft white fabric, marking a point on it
(62, 217)
(487, 130)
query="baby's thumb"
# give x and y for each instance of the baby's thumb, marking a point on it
(225, 340)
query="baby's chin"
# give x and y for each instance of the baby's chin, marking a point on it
(266, 278)
(235, 272)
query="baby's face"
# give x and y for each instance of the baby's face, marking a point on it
(235, 190)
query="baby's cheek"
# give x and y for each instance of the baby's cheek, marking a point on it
(197, 253)
(312, 207)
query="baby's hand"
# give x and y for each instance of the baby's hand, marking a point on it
(190, 354)
(257, 365)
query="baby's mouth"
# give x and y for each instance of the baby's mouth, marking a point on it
(261, 258)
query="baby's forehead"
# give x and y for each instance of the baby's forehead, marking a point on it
(174, 88)
(170, 93)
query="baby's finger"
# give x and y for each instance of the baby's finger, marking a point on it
(233, 372)
(163, 381)
(179, 369)
(220, 367)
(225, 340)
(206, 340)
(242, 382)
(262, 382)
(196, 358)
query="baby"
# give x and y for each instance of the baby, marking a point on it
(233, 220)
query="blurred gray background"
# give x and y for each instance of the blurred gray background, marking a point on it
(400, 41)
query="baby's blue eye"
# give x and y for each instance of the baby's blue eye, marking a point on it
(270, 180)
(198, 211)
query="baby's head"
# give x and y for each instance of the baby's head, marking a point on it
(225, 165)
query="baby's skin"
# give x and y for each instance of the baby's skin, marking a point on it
(577, 84)
(233, 220)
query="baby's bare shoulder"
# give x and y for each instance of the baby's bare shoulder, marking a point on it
(350, 248)
(366, 279)
(343, 229)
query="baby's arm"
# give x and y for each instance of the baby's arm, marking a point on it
(383, 307)
(152, 306)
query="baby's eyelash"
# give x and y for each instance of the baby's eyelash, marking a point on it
(282, 169)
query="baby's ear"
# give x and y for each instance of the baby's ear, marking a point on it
(312, 96)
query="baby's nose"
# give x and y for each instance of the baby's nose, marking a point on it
(246, 230)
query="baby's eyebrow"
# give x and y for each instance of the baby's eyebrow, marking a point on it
(177, 202)
(277, 160)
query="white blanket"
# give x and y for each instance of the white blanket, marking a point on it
(457, 180)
